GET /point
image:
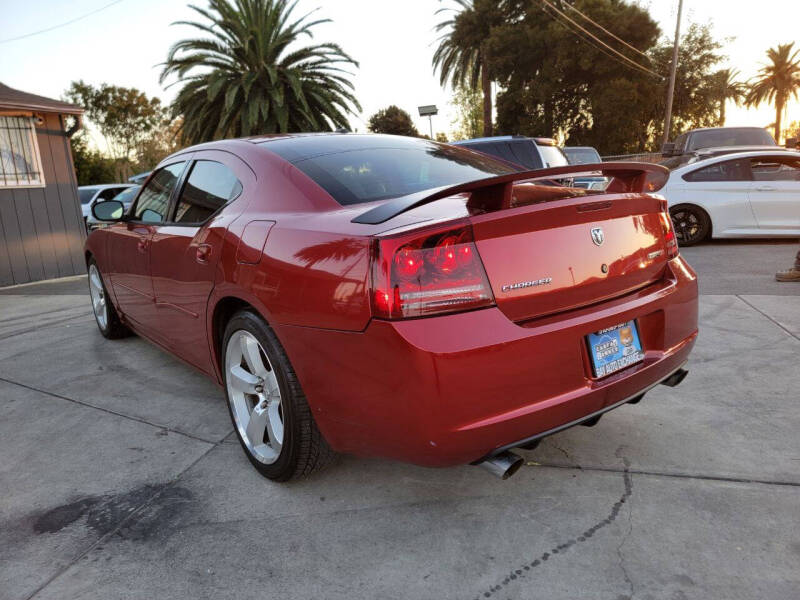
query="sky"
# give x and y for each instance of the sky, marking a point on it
(393, 40)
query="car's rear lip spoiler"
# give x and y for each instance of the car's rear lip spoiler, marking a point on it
(627, 177)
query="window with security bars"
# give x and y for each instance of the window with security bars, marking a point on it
(20, 164)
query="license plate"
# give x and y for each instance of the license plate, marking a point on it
(615, 348)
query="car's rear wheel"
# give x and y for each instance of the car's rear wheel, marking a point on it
(267, 405)
(691, 223)
(105, 315)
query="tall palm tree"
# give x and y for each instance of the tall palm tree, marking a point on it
(249, 75)
(461, 56)
(777, 82)
(725, 86)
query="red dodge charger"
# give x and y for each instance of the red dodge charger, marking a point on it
(396, 297)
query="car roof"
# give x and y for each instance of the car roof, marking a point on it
(494, 138)
(104, 186)
(719, 128)
(778, 151)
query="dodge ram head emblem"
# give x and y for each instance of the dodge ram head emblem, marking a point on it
(597, 236)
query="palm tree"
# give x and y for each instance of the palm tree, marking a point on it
(461, 56)
(777, 82)
(726, 87)
(250, 75)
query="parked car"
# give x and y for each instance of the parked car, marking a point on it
(396, 297)
(89, 194)
(126, 196)
(688, 146)
(746, 194)
(585, 155)
(519, 151)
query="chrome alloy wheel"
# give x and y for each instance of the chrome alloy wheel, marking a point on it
(255, 396)
(98, 295)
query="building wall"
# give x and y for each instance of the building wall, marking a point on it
(41, 229)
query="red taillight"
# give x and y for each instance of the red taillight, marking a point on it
(669, 235)
(436, 273)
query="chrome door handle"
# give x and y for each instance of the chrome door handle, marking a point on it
(141, 246)
(765, 188)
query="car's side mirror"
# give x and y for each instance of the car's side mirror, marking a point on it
(668, 149)
(108, 210)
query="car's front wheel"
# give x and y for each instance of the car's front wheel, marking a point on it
(268, 408)
(105, 315)
(691, 223)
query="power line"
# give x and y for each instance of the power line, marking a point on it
(70, 22)
(596, 24)
(586, 40)
(599, 41)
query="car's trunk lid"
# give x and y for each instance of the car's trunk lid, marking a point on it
(557, 255)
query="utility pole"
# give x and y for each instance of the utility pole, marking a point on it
(673, 68)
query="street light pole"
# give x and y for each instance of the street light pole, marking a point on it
(672, 70)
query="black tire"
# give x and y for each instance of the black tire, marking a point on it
(691, 223)
(111, 327)
(304, 449)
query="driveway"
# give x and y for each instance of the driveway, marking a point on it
(120, 477)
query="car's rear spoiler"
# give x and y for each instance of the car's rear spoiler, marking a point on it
(496, 191)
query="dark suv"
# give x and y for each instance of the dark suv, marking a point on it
(519, 151)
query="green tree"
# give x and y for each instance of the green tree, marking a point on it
(777, 82)
(468, 122)
(725, 86)
(91, 167)
(462, 56)
(557, 84)
(251, 74)
(125, 117)
(392, 120)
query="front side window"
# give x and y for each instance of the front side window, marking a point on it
(154, 200)
(209, 187)
(20, 164)
(775, 169)
(729, 170)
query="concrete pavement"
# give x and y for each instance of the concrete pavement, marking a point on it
(120, 478)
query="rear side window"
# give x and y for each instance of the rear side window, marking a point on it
(730, 170)
(209, 187)
(356, 176)
(154, 199)
(775, 169)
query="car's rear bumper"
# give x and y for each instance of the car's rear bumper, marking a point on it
(454, 389)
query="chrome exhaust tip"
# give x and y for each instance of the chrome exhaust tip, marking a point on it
(504, 465)
(675, 378)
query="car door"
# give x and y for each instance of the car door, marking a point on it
(129, 245)
(722, 189)
(186, 250)
(775, 193)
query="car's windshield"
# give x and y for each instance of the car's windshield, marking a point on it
(730, 136)
(582, 156)
(365, 175)
(127, 196)
(553, 156)
(86, 194)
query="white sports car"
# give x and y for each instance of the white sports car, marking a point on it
(747, 194)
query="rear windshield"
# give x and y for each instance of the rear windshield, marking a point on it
(582, 156)
(365, 175)
(730, 136)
